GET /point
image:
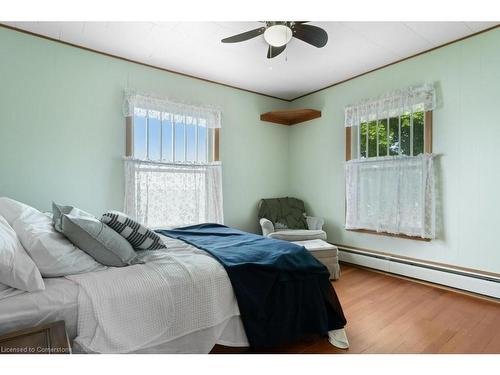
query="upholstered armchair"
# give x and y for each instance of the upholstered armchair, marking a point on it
(286, 219)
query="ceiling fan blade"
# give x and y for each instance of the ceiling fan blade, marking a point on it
(274, 51)
(313, 35)
(244, 36)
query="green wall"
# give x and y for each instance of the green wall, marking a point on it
(62, 132)
(62, 138)
(466, 132)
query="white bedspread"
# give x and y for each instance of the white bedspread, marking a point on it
(176, 292)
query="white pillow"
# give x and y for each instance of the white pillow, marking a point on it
(17, 270)
(11, 209)
(53, 254)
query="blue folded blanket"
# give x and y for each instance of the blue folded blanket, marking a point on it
(283, 292)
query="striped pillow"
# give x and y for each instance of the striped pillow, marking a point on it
(140, 237)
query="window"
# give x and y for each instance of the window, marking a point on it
(169, 137)
(389, 168)
(172, 169)
(409, 134)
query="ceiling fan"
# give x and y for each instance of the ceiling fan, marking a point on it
(278, 33)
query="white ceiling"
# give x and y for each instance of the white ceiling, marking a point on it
(194, 48)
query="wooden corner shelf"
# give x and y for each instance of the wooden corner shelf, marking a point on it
(291, 116)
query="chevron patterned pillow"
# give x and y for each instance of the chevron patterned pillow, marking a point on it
(140, 237)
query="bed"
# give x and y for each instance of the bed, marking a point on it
(210, 284)
(59, 301)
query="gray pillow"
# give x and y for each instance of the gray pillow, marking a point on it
(58, 211)
(98, 240)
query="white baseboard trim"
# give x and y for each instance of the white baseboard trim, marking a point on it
(447, 276)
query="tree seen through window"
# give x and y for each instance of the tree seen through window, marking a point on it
(394, 136)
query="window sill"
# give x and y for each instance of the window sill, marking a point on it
(386, 234)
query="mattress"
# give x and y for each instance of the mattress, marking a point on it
(59, 301)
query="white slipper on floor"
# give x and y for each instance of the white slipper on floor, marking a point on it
(338, 338)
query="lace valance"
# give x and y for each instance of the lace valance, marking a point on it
(392, 104)
(140, 104)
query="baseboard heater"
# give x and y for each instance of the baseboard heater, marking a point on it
(479, 283)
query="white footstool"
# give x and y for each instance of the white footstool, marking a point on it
(326, 253)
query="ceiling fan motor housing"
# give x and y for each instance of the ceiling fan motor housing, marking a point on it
(278, 35)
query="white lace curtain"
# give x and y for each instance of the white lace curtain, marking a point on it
(172, 195)
(137, 103)
(391, 194)
(392, 104)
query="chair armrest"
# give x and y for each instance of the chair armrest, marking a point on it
(267, 226)
(315, 223)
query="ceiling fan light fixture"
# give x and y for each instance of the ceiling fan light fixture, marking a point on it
(278, 35)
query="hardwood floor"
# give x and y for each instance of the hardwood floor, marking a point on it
(387, 314)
